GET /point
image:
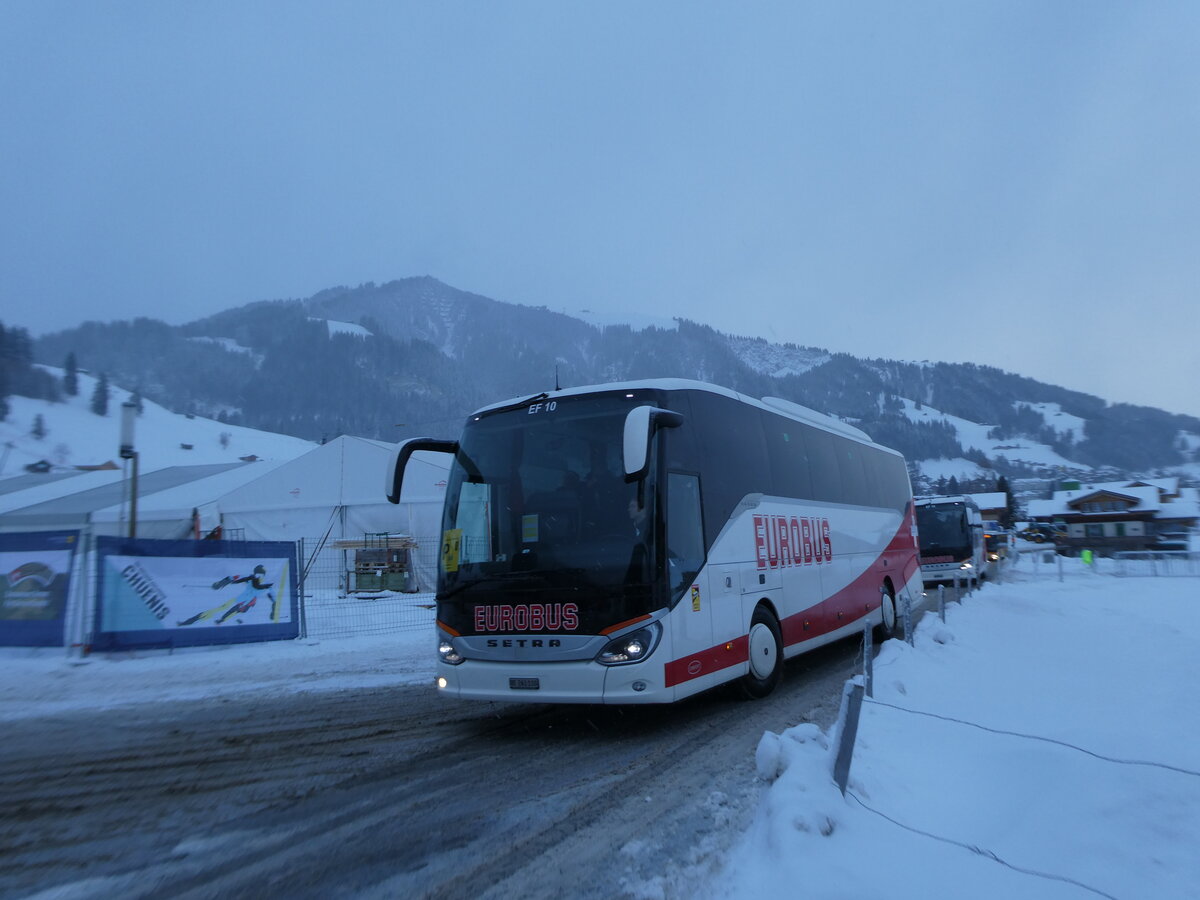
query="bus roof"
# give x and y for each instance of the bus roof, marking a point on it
(937, 501)
(770, 404)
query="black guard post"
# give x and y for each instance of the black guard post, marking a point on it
(868, 660)
(851, 707)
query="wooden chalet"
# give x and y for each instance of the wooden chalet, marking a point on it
(1117, 516)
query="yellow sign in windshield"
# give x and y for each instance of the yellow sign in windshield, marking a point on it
(451, 544)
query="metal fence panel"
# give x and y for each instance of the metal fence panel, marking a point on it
(1157, 562)
(341, 598)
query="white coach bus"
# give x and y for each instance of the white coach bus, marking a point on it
(951, 538)
(645, 541)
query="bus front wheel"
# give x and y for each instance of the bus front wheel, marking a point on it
(890, 625)
(766, 655)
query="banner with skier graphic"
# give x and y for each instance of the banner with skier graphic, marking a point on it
(180, 593)
(34, 586)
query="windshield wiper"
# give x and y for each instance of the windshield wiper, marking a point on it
(508, 577)
(492, 576)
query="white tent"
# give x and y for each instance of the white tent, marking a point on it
(335, 492)
(184, 511)
(170, 502)
(332, 493)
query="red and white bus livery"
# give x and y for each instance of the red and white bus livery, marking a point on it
(642, 542)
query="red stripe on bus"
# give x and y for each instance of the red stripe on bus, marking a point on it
(707, 661)
(861, 596)
(804, 625)
(611, 628)
(816, 620)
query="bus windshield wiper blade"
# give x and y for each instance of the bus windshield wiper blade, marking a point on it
(493, 577)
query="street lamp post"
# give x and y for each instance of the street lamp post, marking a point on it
(128, 414)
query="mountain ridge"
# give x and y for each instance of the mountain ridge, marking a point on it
(426, 354)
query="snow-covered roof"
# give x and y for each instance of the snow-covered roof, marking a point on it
(990, 500)
(177, 502)
(47, 491)
(30, 480)
(1168, 485)
(74, 507)
(1146, 499)
(1040, 508)
(347, 471)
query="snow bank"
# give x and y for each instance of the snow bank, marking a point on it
(1041, 743)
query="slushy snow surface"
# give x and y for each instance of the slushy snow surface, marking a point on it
(1041, 743)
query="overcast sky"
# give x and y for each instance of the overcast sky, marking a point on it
(1010, 183)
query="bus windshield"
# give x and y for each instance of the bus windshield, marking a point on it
(943, 528)
(537, 504)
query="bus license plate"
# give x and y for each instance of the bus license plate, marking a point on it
(524, 684)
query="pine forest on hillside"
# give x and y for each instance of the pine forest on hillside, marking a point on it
(423, 355)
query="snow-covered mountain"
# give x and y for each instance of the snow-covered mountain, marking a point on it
(74, 436)
(415, 356)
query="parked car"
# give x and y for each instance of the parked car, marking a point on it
(1042, 534)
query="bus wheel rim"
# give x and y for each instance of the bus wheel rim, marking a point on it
(762, 651)
(889, 611)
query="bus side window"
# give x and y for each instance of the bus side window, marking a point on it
(823, 464)
(873, 477)
(790, 472)
(729, 439)
(854, 476)
(894, 482)
(685, 531)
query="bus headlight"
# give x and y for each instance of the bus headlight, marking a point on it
(632, 647)
(447, 653)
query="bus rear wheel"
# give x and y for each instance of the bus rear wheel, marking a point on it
(766, 656)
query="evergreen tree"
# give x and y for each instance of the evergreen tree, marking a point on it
(1011, 512)
(100, 395)
(71, 376)
(952, 485)
(39, 427)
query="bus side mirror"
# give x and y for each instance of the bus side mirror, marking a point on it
(640, 424)
(394, 475)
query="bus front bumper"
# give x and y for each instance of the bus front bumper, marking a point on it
(560, 682)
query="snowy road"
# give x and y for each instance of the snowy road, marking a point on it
(389, 791)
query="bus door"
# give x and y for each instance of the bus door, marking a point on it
(725, 598)
(688, 579)
(770, 574)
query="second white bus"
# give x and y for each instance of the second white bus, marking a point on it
(950, 532)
